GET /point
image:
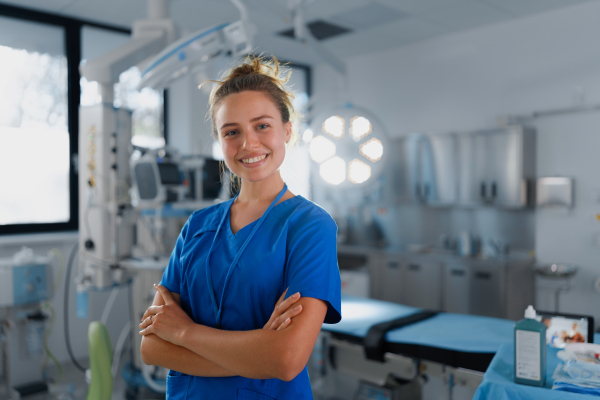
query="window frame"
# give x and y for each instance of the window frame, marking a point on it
(72, 29)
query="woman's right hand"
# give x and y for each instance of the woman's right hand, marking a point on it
(284, 312)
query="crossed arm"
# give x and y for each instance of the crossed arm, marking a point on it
(172, 340)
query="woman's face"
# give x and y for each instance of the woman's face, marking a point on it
(252, 135)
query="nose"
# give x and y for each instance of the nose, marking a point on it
(251, 140)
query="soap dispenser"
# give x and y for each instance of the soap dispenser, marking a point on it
(530, 350)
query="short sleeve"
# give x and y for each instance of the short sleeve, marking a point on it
(171, 278)
(312, 267)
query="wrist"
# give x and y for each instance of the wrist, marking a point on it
(185, 334)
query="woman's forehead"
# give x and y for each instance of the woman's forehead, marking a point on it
(245, 106)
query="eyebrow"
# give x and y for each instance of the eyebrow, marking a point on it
(252, 120)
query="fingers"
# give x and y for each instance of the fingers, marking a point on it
(289, 314)
(287, 303)
(166, 295)
(147, 331)
(284, 324)
(281, 298)
(152, 310)
(146, 322)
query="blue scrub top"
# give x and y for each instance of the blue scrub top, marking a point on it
(294, 247)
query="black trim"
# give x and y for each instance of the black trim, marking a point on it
(454, 358)
(31, 14)
(166, 115)
(72, 29)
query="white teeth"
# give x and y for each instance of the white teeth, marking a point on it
(253, 160)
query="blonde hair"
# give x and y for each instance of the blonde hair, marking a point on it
(257, 74)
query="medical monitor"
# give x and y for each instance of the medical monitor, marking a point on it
(567, 328)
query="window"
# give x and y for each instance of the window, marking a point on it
(39, 99)
(34, 136)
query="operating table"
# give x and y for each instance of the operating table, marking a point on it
(391, 345)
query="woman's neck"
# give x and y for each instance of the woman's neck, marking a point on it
(262, 191)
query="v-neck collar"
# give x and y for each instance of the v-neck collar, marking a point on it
(235, 236)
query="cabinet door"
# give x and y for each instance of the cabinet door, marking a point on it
(438, 169)
(486, 290)
(506, 167)
(397, 189)
(422, 284)
(456, 287)
(472, 169)
(391, 279)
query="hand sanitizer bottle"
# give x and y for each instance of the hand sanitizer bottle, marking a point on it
(530, 350)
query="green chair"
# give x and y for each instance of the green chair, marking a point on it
(101, 384)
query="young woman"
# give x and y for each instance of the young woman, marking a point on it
(233, 260)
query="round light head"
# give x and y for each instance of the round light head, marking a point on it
(372, 149)
(358, 171)
(321, 149)
(334, 126)
(360, 127)
(333, 170)
(352, 146)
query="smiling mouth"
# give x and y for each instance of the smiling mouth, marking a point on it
(254, 159)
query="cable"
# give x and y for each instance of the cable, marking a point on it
(49, 354)
(66, 309)
(109, 304)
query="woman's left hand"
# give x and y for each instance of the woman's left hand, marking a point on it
(169, 321)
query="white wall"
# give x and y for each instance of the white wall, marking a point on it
(466, 80)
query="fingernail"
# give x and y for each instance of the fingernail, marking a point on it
(287, 320)
(296, 295)
(297, 308)
(155, 285)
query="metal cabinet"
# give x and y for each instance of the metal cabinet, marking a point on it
(456, 284)
(489, 287)
(496, 167)
(432, 168)
(411, 280)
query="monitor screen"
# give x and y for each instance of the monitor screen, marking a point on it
(169, 174)
(562, 329)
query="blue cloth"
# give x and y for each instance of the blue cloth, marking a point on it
(458, 332)
(295, 247)
(498, 381)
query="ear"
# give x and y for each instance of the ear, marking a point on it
(288, 131)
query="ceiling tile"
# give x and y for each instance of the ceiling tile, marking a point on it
(49, 5)
(465, 15)
(524, 7)
(105, 11)
(368, 16)
(408, 30)
(327, 8)
(284, 48)
(356, 43)
(418, 6)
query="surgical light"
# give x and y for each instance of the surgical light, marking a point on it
(334, 126)
(333, 170)
(372, 150)
(307, 135)
(358, 171)
(321, 149)
(360, 127)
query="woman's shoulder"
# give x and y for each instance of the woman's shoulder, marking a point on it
(308, 214)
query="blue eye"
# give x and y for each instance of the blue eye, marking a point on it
(229, 133)
(262, 126)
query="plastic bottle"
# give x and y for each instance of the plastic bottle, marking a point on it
(530, 350)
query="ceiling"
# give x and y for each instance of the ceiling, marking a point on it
(374, 24)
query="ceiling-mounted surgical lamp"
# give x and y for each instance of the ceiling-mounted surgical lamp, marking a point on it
(347, 146)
